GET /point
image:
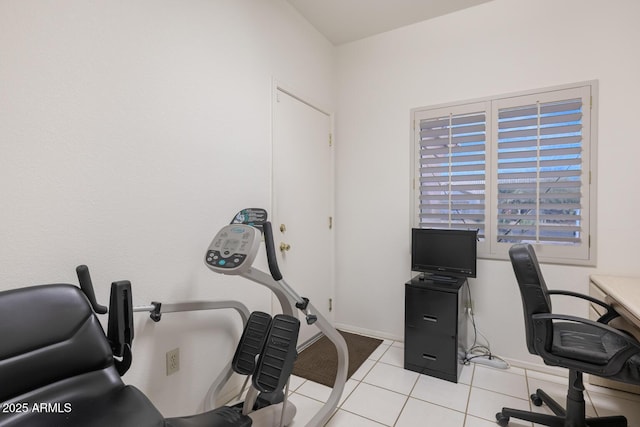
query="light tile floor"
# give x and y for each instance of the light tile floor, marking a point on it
(382, 393)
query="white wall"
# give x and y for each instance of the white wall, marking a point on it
(130, 132)
(498, 47)
(123, 126)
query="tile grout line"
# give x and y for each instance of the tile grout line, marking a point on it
(406, 400)
(466, 408)
(360, 381)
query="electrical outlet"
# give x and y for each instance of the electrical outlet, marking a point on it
(173, 361)
(469, 307)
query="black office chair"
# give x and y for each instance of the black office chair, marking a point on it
(580, 345)
(57, 368)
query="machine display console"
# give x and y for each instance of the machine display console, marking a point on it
(233, 249)
(251, 216)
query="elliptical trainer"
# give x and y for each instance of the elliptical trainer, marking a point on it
(232, 252)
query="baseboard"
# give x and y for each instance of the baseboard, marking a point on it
(367, 332)
(310, 341)
(538, 367)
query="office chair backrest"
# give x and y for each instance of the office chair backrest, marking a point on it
(50, 340)
(533, 290)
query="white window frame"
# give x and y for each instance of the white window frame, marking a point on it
(583, 253)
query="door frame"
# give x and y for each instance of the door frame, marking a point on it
(277, 87)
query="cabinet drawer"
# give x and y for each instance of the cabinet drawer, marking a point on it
(431, 311)
(436, 353)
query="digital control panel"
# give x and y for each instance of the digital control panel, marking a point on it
(233, 249)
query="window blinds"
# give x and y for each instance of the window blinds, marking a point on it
(516, 167)
(539, 173)
(452, 171)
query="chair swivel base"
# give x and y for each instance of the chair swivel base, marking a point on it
(575, 417)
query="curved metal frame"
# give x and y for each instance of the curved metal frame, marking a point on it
(288, 299)
(240, 308)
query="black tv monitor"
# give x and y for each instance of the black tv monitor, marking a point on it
(444, 252)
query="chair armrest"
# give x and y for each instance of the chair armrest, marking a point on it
(605, 318)
(615, 363)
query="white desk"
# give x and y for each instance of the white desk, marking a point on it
(623, 294)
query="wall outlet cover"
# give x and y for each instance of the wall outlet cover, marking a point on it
(173, 361)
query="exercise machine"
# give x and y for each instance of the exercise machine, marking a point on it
(232, 252)
(59, 368)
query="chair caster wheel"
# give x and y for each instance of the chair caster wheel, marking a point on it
(502, 420)
(536, 400)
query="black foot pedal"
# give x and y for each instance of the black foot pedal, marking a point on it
(276, 361)
(251, 343)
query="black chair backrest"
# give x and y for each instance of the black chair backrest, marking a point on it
(533, 289)
(50, 336)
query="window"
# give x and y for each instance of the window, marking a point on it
(517, 167)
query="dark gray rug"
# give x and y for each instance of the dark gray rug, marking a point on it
(319, 361)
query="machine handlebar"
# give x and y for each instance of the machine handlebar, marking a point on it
(271, 251)
(87, 287)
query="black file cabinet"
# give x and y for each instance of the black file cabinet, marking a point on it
(435, 332)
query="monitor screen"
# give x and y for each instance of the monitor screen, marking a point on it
(446, 252)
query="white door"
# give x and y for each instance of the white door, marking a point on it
(303, 201)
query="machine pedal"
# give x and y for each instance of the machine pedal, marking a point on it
(251, 343)
(276, 360)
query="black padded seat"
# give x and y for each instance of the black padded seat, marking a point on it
(590, 344)
(585, 342)
(57, 368)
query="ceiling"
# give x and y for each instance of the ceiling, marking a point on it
(343, 21)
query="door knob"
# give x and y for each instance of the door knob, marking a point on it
(284, 246)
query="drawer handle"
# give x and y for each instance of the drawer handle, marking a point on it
(433, 319)
(429, 357)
